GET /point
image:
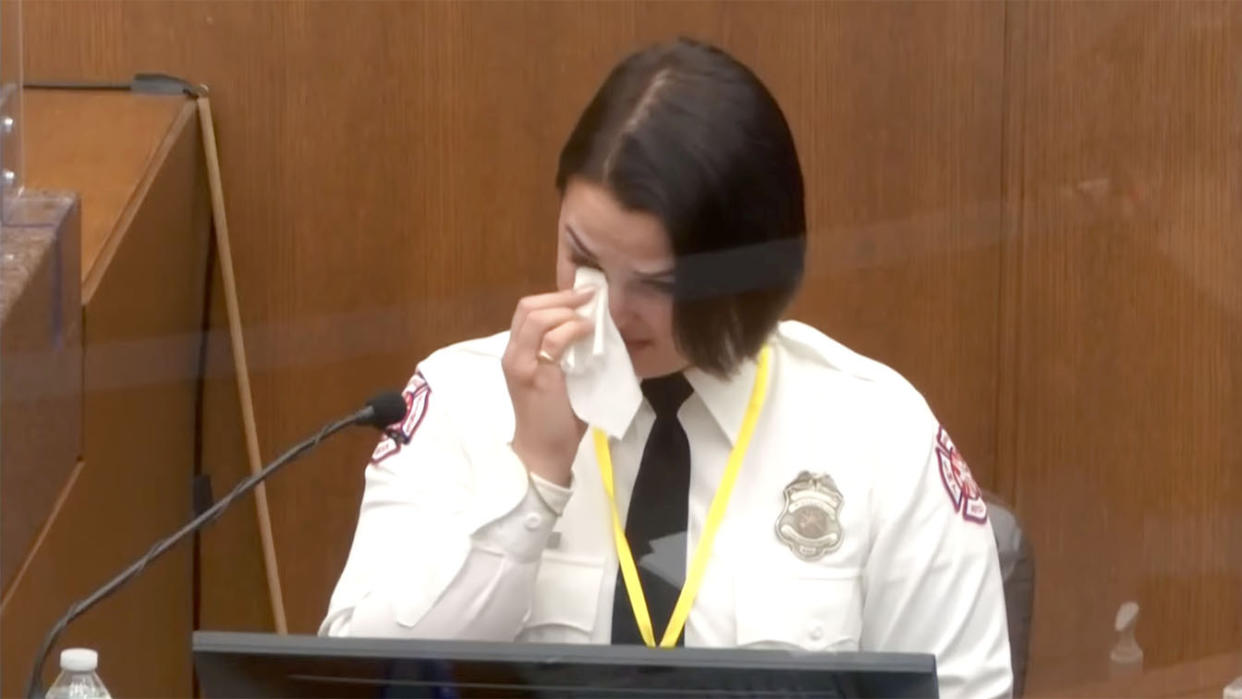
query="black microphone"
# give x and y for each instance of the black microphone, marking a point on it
(382, 410)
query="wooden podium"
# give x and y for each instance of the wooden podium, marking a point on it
(98, 436)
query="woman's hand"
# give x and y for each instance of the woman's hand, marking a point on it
(546, 431)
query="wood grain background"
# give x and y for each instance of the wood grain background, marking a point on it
(1027, 209)
(1125, 445)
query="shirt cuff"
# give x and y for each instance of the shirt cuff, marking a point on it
(514, 514)
(553, 496)
(520, 535)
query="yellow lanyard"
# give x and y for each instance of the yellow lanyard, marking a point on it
(694, 576)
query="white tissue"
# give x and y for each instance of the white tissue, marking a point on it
(603, 390)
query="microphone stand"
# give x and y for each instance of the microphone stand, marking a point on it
(34, 689)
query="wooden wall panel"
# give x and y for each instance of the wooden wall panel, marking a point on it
(1127, 395)
(388, 169)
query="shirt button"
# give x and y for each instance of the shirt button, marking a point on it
(533, 521)
(816, 632)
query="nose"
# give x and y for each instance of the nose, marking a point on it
(618, 304)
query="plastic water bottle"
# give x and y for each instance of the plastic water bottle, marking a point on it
(1126, 658)
(77, 678)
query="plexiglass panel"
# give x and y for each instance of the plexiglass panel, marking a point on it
(10, 102)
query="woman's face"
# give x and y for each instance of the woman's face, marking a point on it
(632, 250)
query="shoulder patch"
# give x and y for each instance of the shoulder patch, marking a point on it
(964, 493)
(417, 395)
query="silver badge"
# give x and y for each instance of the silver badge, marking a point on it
(810, 524)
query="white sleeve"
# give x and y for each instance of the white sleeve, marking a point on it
(448, 539)
(932, 580)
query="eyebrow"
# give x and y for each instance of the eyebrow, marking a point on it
(662, 275)
(582, 248)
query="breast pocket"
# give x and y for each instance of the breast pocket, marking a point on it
(566, 599)
(818, 612)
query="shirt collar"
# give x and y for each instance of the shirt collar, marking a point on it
(726, 398)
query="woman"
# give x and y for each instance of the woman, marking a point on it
(846, 518)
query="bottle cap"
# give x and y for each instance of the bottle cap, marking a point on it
(79, 660)
(1127, 650)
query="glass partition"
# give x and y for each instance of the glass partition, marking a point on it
(1006, 396)
(10, 103)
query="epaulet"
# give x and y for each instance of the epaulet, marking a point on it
(810, 344)
(463, 359)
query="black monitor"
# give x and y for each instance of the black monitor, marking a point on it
(266, 665)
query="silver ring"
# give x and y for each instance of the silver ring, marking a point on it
(545, 357)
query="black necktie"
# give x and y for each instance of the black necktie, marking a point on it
(655, 523)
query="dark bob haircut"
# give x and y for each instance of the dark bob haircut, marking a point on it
(686, 133)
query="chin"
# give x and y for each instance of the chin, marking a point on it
(643, 374)
(648, 365)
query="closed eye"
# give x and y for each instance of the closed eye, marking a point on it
(583, 261)
(664, 286)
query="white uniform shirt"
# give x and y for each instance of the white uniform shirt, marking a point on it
(455, 540)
